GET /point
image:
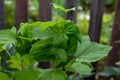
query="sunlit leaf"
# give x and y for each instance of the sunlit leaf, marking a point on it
(90, 51)
(82, 68)
(26, 75)
(118, 63)
(6, 36)
(4, 76)
(15, 61)
(50, 74)
(62, 8)
(60, 39)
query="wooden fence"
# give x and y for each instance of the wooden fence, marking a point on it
(97, 10)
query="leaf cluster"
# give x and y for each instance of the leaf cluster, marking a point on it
(58, 42)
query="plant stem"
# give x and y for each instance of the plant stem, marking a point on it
(65, 15)
(22, 67)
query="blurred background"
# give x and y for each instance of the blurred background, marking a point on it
(83, 15)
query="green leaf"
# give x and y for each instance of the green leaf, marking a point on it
(27, 61)
(15, 61)
(41, 49)
(46, 74)
(23, 46)
(25, 30)
(59, 75)
(48, 33)
(71, 9)
(30, 31)
(110, 71)
(36, 48)
(89, 51)
(14, 30)
(70, 28)
(36, 30)
(62, 8)
(72, 45)
(25, 38)
(4, 76)
(49, 74)
(60, 56)
(26, 75)
(60, 40)
(118, 63)
(45, 25)
(68, 66)
(82, 68)
(58, 7)
(6, 36)
(18, 62)
(36, 24)
(42, 30)
(9, 48)
(79, 67)
(42, 43)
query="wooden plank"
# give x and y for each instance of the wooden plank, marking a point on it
(115, 52)
(2, 15)
(97, 9)
(45, 10)
(45, 14)
(72, 14)
(21, 11)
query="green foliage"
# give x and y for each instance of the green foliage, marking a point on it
(58, 42)
(107, 22)
(108, 2)
(86, 49)
(19, 62)
(118, 63)
(8, 36)
(50, 74)
(109, 5)
(62, 8)
(86, 1)
(16, 61)
(26, 75)
(59, 2)
(110, 71)
(9, 13)
(4, 76)
(82, 68)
